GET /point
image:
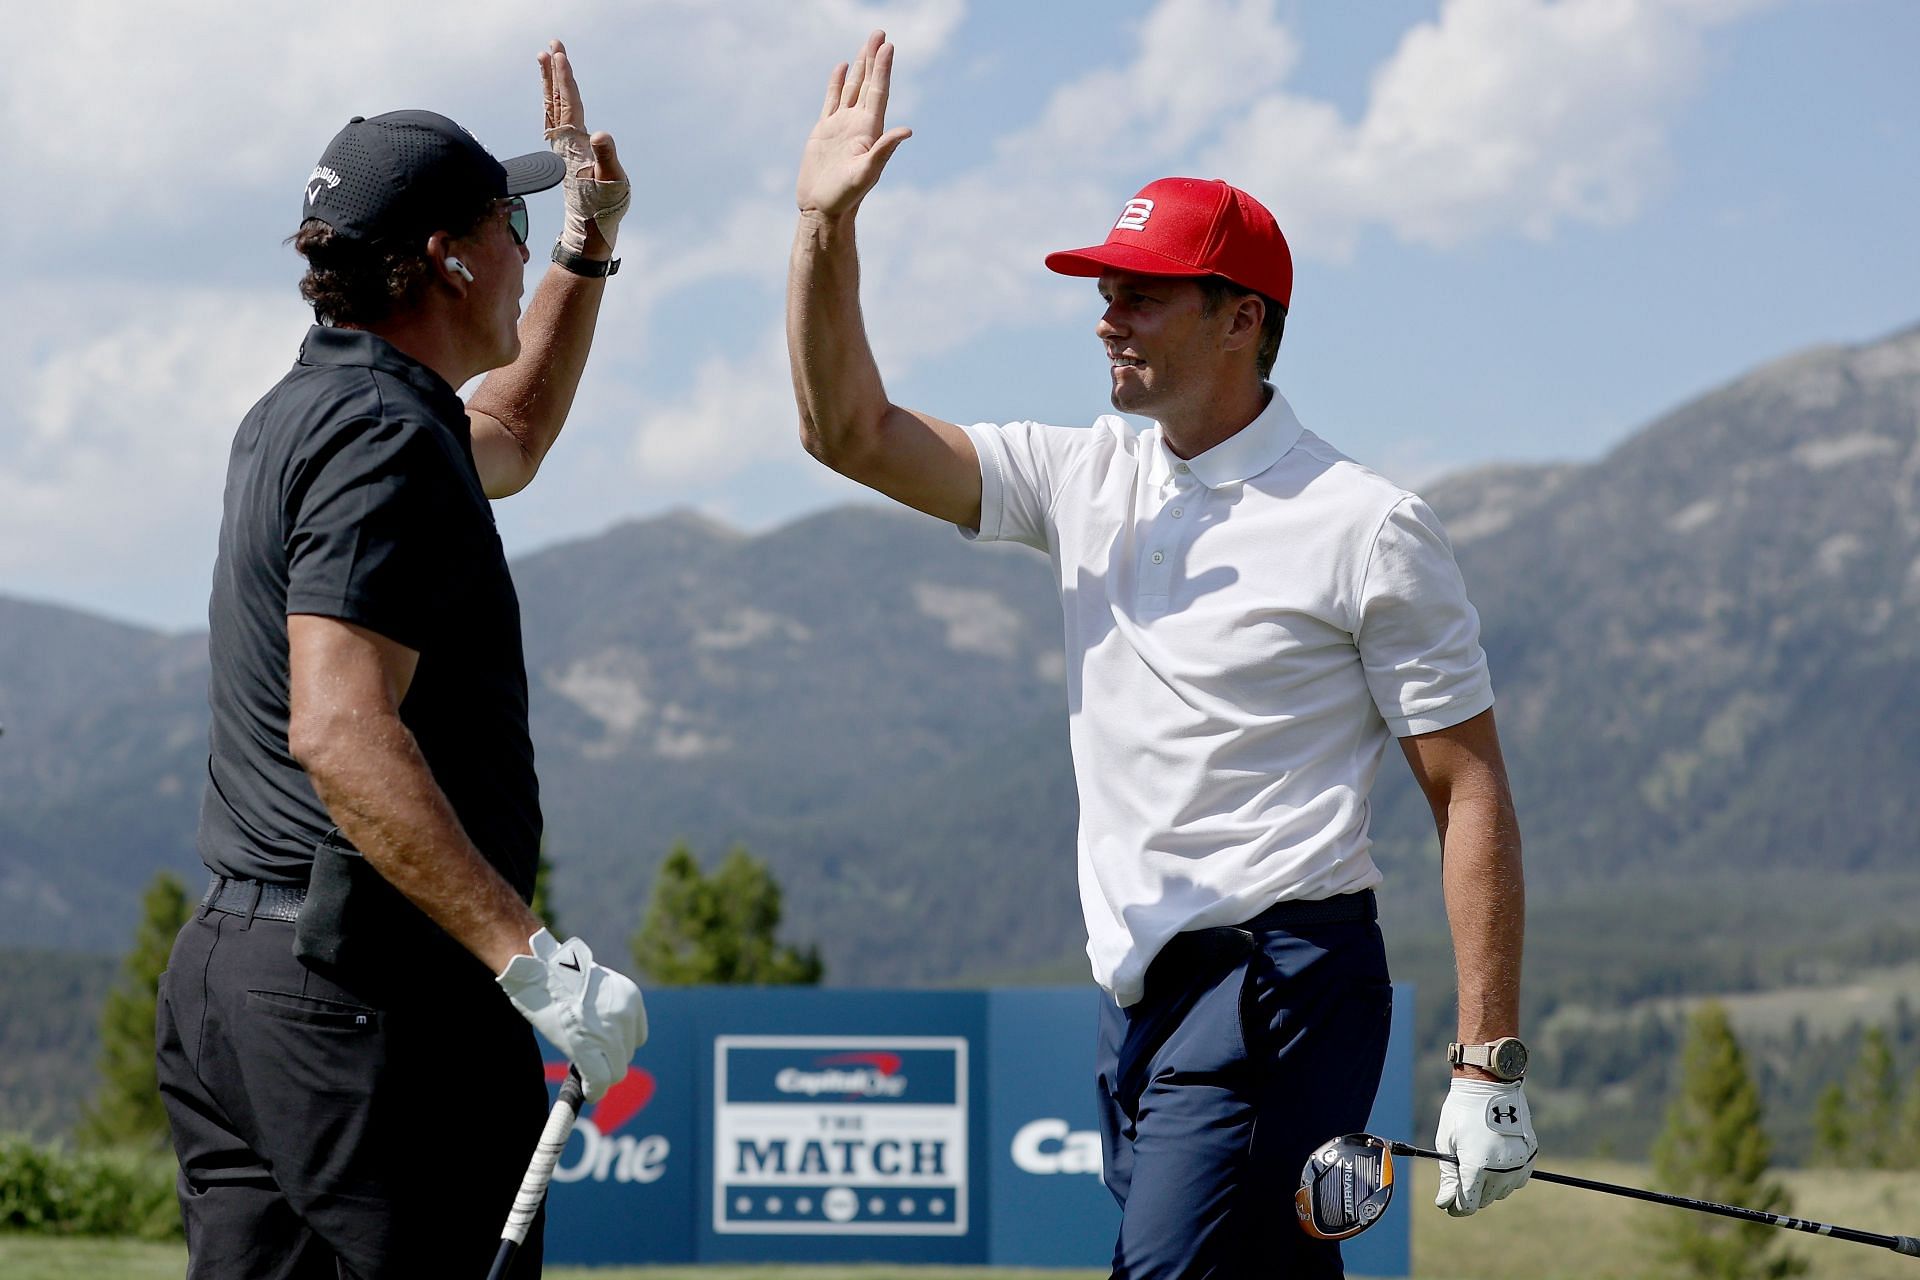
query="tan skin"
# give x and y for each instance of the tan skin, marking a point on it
(347, 683)
(1194, 372)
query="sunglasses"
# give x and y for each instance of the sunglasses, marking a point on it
(516, 218)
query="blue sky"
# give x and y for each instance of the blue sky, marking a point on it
(1522, 228)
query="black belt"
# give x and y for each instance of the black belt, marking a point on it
(1345, 908)
(255, 899)
(1197, 952)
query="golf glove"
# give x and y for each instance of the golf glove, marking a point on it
(588, 200)
(1487, 1127)
(590, 1013)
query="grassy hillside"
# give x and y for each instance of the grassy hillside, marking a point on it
(1545, 1233)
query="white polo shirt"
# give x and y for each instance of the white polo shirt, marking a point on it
(1244, 630)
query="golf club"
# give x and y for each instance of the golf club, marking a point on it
(533, 1187)
(1348, 1182)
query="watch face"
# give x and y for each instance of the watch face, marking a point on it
(1509, 1059)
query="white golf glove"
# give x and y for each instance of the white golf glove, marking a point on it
(590, 1013)
(1487, 1127)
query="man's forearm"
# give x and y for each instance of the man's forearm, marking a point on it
(377, 787)
(1486, 910)
(531, 397)
(835, 379)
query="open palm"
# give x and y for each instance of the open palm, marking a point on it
(850, 143)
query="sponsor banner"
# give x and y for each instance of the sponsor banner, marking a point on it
(840, 1135)
(827, 1127)
(597, 1151)
(1047, 1206)
(625, 1186)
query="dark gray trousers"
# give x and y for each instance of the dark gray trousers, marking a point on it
(353, 1128)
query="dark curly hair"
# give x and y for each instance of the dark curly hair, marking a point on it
(361, 282)
(1216, 291)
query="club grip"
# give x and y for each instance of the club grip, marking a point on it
(553, 1140)
(1909, 1245)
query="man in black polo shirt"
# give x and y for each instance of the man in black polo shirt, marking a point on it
(351, 1089)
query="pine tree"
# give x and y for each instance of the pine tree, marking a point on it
(1714, 1147)
(125, 1111)
(1872, 1102)
(1832, 1136)
(1909, 1136)
(542, 904)
(718, 929)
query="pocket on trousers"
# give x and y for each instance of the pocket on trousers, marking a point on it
(314, 1011)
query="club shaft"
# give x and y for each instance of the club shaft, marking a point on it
(533, 1187)
(1908, 1245)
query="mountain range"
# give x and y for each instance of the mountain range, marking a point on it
(1705, 645)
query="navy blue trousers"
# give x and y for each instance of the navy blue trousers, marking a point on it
(1250, 1047)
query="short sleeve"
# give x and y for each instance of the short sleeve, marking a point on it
(1022, 465)
(1418, 635)
(373, 514)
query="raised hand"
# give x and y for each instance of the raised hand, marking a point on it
(596, 184)
(850, 143)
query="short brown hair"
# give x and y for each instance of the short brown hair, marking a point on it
(1217, 291)
(360, 282)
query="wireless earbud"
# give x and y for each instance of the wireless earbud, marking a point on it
(459, 268)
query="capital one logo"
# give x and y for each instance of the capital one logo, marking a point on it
(1134, 216)
(853, 1075)
(1050, 1146)
(606, 1154)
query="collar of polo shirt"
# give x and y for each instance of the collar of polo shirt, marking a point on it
(1242, 455)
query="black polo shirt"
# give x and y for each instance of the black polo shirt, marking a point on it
(352, 494)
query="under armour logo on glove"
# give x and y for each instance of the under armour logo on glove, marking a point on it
(1485, 1126)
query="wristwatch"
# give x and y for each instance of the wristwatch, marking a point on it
(581, 265)
(1503, 1059)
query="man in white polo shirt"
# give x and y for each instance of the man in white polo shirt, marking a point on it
(1250, 617)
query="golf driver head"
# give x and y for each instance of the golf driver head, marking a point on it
(1345, 1187)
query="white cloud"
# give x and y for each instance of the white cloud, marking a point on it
(738, 411)
(1496, 118)
(122, 428)
(200, 97)
(1500, 117)
(207, 116)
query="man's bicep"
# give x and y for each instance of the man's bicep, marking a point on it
(1459, 759)
(925, 462)
(337, 668)
(504, 462)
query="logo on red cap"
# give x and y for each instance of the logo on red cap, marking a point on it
(1134, 216)
(1191, 227)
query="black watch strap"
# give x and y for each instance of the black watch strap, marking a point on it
(591, 268)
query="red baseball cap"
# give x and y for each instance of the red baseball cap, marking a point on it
(1191, 227)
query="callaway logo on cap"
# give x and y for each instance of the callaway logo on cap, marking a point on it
(1191, 227)
(413, 173)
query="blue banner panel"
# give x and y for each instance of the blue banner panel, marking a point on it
(1049, 1207)
(843, 1126)
(782, 1125)
(625, 1188)
(1387, 1249)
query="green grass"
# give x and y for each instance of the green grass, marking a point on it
(1545, 1233)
